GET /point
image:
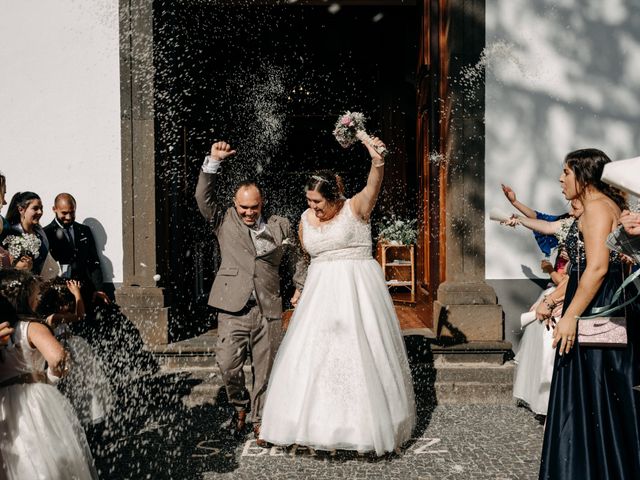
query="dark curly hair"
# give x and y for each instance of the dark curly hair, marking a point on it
(55, 297)
(587, 165)
(326, 183)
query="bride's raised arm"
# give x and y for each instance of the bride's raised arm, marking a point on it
(363, 202)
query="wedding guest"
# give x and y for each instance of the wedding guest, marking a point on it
(72, 245)
(341, 379)
(593, 421)
(86, 386)
(535, 357)
(41, 437)
(5, 259)
(25, 211)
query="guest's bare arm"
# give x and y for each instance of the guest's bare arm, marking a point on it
(543, 226)
(74, 288)
(43, 340)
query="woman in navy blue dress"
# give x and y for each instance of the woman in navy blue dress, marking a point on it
(593, 423)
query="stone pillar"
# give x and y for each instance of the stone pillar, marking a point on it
(139, 296)
(467, 318)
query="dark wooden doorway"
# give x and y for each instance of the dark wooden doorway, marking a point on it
(272, 80)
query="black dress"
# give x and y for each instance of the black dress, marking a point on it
(593, 420)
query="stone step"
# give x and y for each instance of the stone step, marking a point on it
(473, 372)
(452, 384)
(187, 362)
(474, 383)
(453, 375)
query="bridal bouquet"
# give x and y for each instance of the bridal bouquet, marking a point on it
(398, 231)
(21, 245)
(350, 128)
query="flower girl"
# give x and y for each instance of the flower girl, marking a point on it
(86, 386)
(40, 436)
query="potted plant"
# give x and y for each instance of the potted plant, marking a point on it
(397, 231)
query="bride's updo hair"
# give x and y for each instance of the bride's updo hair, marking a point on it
(587, 165)
(326, 183)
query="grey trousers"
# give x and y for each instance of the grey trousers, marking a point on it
(239, 336)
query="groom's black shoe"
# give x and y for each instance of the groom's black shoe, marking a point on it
(259, 441)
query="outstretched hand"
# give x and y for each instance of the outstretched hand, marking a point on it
(221, 150)
(513, 221)
(74, 287)
(508, 192)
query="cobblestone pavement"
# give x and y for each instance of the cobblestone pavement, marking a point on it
(168, 429)
(460, 442)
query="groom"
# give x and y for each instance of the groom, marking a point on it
(246, 290)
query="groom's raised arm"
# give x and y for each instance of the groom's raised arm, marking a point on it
(205, 195)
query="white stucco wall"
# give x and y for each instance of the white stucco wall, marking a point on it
(59, 111)
(560, 75)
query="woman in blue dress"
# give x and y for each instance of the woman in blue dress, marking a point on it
(593, 422)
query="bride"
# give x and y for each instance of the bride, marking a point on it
(341, 378)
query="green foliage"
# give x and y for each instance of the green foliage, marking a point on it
(394, 229)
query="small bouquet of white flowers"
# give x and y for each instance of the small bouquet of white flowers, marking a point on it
(27, 244)
(396, 230)
(350, 128)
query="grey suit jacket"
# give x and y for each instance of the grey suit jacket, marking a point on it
(242, 270)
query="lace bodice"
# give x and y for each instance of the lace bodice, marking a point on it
(19, 357)
(343, 237)
(575, 249)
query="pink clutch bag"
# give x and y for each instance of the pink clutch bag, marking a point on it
(602, 332)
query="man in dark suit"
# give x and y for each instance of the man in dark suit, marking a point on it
(246, 290)
(72, 245)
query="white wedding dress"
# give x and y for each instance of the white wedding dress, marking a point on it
(40, 436)
(341, 379)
